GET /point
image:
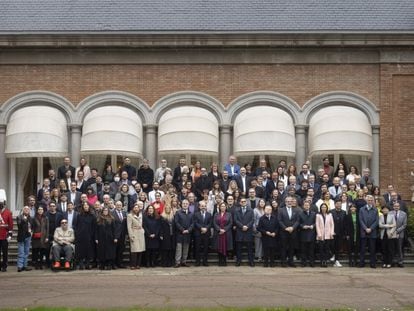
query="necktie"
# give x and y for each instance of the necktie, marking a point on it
(289, 212)
(244, 210)
(120, 215)
(396, 216)
(204, 216)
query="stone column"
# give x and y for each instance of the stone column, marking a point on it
(3, 159)
(375, 162)
(225, 144)
(150, 150)
(300, 133)
(75, 143)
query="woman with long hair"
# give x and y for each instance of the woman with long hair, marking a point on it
(291, 171)
(105, 240)
(282, 176)
(83, 167)
(258, 212)
(158, 204)
(107, 174)
(40, 238)
(324, 233)
(353, 173)
(124, 196)
(55, 195)
(167, 237)
(136, 235)
(85, 237)
(214, 173)
(152, 226)
(196, 171)
(223, 235)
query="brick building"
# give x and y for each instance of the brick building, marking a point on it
(205, 79)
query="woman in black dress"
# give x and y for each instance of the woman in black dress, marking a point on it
(85, 237)
(152, 226)
(167, 237)
(105, 240)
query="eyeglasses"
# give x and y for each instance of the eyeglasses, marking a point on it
(64, 222)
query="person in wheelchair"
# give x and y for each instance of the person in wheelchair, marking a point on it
(63, 240)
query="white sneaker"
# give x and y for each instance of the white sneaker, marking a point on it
(332, 258)
(337, 264)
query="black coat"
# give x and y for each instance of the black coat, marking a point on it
(146, 176)
(62, 172)
(200, 223)
(350, 229)
(227, 227)
(152, 226)
(85, 236)
(241, 220)
(23, 227)
(105, 234)
(307, 235)
(339, 222)
(183, 222)
(284, 221)
(167, 232)
(54, 222)
(202, 183)
(271, 225)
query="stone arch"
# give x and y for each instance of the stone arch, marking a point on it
(108, 98)
(343, 98)
(190, 98)
(266, 98)
(32, 98)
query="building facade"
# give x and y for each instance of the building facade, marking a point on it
(205, 95)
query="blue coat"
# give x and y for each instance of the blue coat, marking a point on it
(227, 168)
(368, 219)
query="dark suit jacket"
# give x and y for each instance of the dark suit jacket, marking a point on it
(307, 235)
(339, 222)
(120, 225)
(200, 223)
(239, 182)
(77, 200)
(62, 172)
(284, 221)
(74, 220)
(183, 222)
(241, 220)
(368, 219)
(270, 186)
(271, 225)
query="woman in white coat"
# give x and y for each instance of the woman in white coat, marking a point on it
(136, 236)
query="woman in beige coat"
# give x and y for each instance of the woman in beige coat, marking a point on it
(325, 232)
(136, 236)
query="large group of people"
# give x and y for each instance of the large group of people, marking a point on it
(84, 218)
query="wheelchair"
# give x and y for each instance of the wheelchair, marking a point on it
(62, 261)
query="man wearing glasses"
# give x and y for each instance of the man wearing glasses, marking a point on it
(244, 219)
(63, 244)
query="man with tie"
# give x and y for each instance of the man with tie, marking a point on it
(288, 218)
(202, 225)
(74, 195)
(269, 228)
(62, 207)
(401, 221)
(368, 220)
(184, 226)
(120, 217)
(307, 221)
(244, 220)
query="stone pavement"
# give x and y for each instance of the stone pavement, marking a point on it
(361, 289)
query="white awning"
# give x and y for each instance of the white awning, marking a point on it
(36, 131)
(188, 129)
(112, 130)
(340, 129)
(264, 130)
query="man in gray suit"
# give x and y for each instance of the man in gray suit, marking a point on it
(401, 220)
(368, 220)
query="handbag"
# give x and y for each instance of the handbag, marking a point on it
(37, 235)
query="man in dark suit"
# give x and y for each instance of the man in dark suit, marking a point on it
(224, 181)
(202, 183)
(307, 221)
(54, 221)
(271, 185)
(184, 225)
(45, 187)
(65, 167)
(368, 220)
(62, 206)
(339, 218)
(71, 216)
(130, 169)
(178, 171)
(387, 195)
(202, 225)
(120, 217)
(289, 222)
(74, 195)
(269, 228)
(244, 220)
(243, 182)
